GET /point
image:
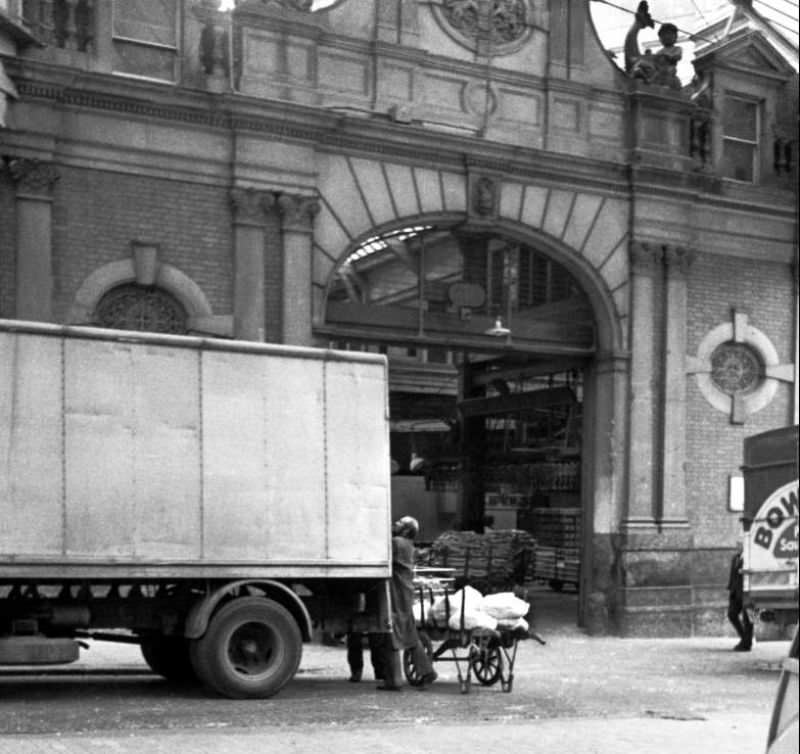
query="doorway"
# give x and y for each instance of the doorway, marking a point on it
(488, 340)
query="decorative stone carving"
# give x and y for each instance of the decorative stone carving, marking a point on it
(641, 20)
(298, 212)
(644, 257)
(485, 197)
(480, 98)
(33, 176)
(678, 260)
(488, 26)
(213, 49)
(659, 68)
(250, 205)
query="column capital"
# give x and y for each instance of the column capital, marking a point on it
(298, 212)
(34, 178)
(678, 260)
(250, 205)
(644, 257)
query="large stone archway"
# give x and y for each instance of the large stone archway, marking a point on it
(585, 232)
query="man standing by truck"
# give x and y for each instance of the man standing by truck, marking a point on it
(405, 634)
(737, 612)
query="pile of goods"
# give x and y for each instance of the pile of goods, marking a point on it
(467, 609)
(496, 559)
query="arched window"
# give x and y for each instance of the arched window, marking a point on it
(138, 307)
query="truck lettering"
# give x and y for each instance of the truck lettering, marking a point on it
(775, 518)
(789, 502)
(763, 537)
(775, 527)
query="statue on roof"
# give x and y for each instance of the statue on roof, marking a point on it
(658, 68)
(641, 20)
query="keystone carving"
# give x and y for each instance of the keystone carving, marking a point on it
(485, 197)
(33, 176)
(250, 205)
(298, 212)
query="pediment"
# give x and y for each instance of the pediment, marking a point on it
(750, 51)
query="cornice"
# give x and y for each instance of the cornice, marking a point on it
(707, 190)
(327, 130)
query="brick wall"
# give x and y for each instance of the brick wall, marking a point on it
(7, 246)
(714, 446)
(97, 214)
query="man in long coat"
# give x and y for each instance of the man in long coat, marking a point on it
(405, 634)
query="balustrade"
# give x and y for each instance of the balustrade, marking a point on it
(67, 24)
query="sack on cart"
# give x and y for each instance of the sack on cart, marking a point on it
(505, 607)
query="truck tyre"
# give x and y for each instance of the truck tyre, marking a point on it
(251, 649)
(168, 656)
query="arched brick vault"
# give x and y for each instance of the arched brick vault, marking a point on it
(585, 232)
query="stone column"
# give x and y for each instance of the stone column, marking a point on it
(249, 207)
(297, 216)
(34, 290)
(603, 481)
(645, 259)
(673, 478)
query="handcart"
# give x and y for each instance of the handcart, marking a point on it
(487, 655)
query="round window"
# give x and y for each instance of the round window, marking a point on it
(138, 307)
(735, 368)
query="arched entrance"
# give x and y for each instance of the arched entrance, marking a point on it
(498, 339)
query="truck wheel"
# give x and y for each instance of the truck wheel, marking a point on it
(168, 656)
(251, 649)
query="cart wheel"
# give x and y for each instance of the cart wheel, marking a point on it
(487, 664)
(410, 669)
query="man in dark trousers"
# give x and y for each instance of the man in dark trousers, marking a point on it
(737, 612)
(405, 634)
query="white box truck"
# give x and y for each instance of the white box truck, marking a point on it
(215, 501)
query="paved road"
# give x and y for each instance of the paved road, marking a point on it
(576, 695)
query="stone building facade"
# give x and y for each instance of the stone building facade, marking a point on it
(402, 176)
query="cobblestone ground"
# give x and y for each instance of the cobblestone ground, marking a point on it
(577, 695)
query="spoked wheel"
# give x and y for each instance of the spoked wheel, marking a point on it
(168, 656)
(251, 649)
(412, 672)
(487, 664)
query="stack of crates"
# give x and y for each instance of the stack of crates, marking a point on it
(558, 545)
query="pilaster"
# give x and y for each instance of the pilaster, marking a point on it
(35, 181)
(249, 221)
(673, 480)
(297, 217)
(645, 261)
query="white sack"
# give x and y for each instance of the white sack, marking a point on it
(473, 601)
(520, 624)
(472, 619)
(505, 606)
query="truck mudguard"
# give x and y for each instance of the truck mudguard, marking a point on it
(200, 614)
